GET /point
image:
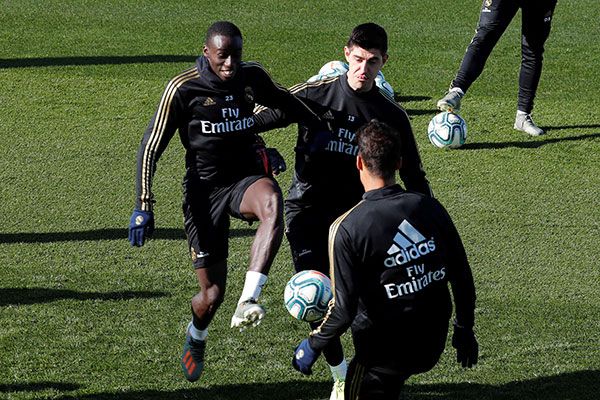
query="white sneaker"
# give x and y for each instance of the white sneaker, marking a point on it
(524, 122)
(337, 393)
(450, 102)
(247, 314)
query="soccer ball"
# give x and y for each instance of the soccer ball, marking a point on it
(447, 130)
(329, 70)
(335, 68)
(307, 295)
(383, 84)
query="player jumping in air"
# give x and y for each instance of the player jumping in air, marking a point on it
(211, 105)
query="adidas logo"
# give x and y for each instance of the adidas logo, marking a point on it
(328, 116)
(409, 244)
(209, 102)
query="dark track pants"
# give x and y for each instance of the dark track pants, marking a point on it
(495, 17)
(372, 383)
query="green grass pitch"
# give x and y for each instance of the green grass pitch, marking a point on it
(85, 316)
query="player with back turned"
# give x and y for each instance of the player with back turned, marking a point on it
(392, 257)
(227, 174)
(325, 182)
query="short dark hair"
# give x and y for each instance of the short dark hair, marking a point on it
(222, 28)
(380, 147)
(369, 36)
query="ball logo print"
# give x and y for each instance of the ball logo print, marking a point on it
(447, 130)
(307, 294)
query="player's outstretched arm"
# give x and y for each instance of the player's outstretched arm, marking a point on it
(266, 119)
(282, 106)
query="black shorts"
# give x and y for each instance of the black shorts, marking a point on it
(307, 231)
(206, 212)
(372, 383)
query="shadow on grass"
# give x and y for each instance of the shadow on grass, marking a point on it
(528, 144)
(37, 295)
(403, 99)
(558, 128)
(92, 60)
(297, 389)
(102, 234)
(412, 112)
(38, 387)
(580, 385)
(400, 98)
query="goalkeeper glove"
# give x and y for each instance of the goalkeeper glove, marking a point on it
(314, 139)
(141, 226)
(270, 160)
(304, 357)
(276, 161)
(465, 343)
(317, 135)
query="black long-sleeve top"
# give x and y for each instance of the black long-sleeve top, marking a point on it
(325, 161)
(392, 257)
(216, 124)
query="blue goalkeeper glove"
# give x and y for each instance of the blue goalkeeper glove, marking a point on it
(141, 226)
(465, 343)
(304, 357)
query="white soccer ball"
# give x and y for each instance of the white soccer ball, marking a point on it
(447, 130)
(335, 68)
(383, 84)
(329, 70)
(307, 294)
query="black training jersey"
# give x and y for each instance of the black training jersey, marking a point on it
(326, 161)
(215, 122)
(391, 258)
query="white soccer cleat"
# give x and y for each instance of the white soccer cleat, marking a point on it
(524, 122)
(337, 393)
(247, 314)
(450, 102)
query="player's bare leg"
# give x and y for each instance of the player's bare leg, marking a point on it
(262, 201)
(212, 281)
